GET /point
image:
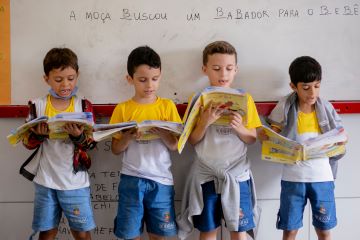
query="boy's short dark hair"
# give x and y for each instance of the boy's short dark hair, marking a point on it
(142, 55)
(222, 47)
(60, 58)
(304, 69)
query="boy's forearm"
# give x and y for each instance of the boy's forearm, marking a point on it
(118, 146)
(171, 142)
(197, 134)
(248, 136)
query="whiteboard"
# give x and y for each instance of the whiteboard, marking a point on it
(268, 35)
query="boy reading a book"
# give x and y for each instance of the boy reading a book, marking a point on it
(220, 183)
(146, 192)
(61, 180)
(299, 116)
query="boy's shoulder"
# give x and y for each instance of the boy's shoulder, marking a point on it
(165, 101)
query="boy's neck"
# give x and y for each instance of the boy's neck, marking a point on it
(60, 104)
(305, 108)
(144, 100)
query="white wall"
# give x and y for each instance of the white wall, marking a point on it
(16, 193)
(266, 44)
(327, 30)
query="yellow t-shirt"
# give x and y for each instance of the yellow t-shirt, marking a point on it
(252, 114)
(315, 170)
(50, 111)
(146, 159)
(162, 109)
(307, 123)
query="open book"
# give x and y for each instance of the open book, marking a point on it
(280, 149)
(230, 99)
(55, 125)
(104, 131)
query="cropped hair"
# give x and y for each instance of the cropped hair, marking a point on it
(222, 47)
(142, 55)
(304, 69)
(60, 58)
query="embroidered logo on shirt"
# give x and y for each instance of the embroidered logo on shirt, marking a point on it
(224, 130)
(143, 141)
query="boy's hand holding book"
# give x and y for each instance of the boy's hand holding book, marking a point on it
(210, 113)
(40, 129)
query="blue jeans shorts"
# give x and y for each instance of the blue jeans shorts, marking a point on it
(49, 204)
(211, 215)
(293, 200)
(144, 201)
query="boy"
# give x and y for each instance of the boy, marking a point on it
(61, 184)
(220, 184)
(146, 192)
(300, 116)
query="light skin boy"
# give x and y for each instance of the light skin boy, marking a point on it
(63, 81)
(145, 81)
(221, 70)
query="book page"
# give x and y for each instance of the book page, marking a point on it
(233, 99)
(56, 127)
(18, 134)
(106, 131)
(328, 144)
(193, 112)
(280, 149)
(229, 99)
(145, 126)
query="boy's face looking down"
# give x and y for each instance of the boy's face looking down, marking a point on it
(220, 69)
(62, 80)
(146, 82)
(307, 93)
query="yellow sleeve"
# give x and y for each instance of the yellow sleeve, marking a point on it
(173, 113)
(253, 120)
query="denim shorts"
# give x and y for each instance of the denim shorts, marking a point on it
(49, 204)
(142, 201)
(293, 200)
(211, 215)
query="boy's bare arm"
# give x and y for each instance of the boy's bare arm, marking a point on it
(207, 116)
(246, 135)
(120, 145)
(167, 137)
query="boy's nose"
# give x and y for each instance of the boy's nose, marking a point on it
(223, 72)
(66, 82)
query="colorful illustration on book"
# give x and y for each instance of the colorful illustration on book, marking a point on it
(106, 131)
(280, 149)
(229, 99)
(55, 125)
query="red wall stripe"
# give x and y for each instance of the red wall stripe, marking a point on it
(105, 110)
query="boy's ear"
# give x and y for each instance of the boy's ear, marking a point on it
(46, 79)
(292, 86)
(203, 69)
(129, 79)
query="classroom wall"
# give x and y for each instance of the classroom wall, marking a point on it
(16, 193)
(267, 34)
